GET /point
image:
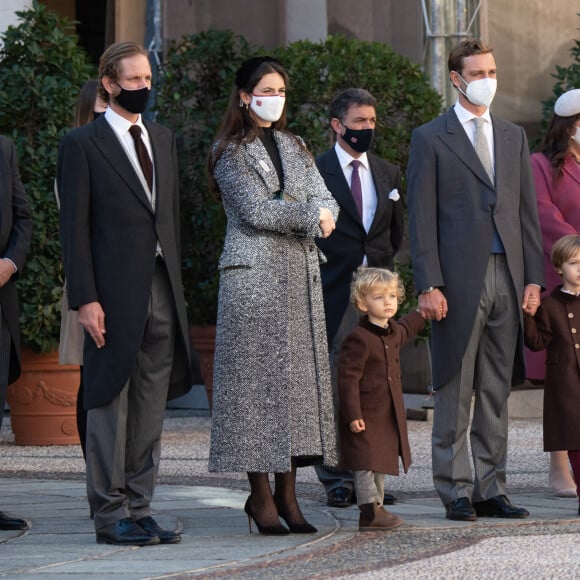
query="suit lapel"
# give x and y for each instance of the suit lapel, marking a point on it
(504, 150)
(107, 142)
(457, 140)
(338, 186)
(383, 187)
(161, 144)
(263, 165)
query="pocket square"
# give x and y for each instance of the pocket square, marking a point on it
(394, 194)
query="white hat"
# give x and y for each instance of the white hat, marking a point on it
(568, 104)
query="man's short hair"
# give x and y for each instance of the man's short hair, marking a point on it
(109, 64)
(342, 101)
(465, 48)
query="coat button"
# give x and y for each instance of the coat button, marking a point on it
(570, 315)
(573, 330)
(577, 346)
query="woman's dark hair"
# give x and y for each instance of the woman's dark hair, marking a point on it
(84, 112)
(238, 124)
(556, 141)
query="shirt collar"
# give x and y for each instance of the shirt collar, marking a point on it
(345, 158)
(120, 124)
(465, 116)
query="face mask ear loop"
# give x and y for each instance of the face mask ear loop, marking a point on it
(459, 88)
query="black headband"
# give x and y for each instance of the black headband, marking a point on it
(248, 67)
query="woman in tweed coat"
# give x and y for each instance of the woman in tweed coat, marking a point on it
(272, 405)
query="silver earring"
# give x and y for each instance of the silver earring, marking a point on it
(241, 103)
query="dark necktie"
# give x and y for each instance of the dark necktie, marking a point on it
(142, 155)
(355, 186)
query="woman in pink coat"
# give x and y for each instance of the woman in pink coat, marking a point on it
(556, 170)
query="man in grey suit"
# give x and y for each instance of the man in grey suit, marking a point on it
(118, 183)
(476, 250)
(15, 234)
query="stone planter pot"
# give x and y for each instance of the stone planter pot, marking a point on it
(43, 401)
(203, 342)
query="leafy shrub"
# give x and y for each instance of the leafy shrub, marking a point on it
(319, 70)
(41, 71)
(405, 271)
(193, 92)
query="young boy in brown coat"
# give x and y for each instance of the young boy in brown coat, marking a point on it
(372, 421)
(556, 327)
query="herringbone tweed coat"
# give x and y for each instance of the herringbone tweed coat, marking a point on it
(272, 396)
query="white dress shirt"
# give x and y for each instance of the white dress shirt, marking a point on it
(466, 120)
(369, 194)
(121, 127)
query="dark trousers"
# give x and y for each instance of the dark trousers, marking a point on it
(5, 345)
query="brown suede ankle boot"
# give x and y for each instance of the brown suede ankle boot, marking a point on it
(374, 517)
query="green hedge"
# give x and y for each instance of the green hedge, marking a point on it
(41, 71)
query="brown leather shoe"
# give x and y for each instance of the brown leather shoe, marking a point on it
(374, 518)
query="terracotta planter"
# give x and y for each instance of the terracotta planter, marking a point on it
(203, 342)
(43, 401)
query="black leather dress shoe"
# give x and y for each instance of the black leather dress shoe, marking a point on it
(126, 532)
(151, 526)
(340, 497)
(460, 509)
(499, 507)
(8, 522)
(389, 499)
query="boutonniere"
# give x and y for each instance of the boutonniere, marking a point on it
(394, 194)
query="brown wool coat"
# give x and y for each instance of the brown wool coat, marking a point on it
(556, 327)
(369, 386)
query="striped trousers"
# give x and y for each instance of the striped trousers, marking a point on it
(124, 436)
(486, 374)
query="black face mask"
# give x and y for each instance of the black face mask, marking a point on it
(359, 139)
(133, 101)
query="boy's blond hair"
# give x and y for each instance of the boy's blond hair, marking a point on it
(564, 249)
(365, 278)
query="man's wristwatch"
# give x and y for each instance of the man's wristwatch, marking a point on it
(427, 290)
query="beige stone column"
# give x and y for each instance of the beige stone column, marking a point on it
(130, 20)
(305, 20)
